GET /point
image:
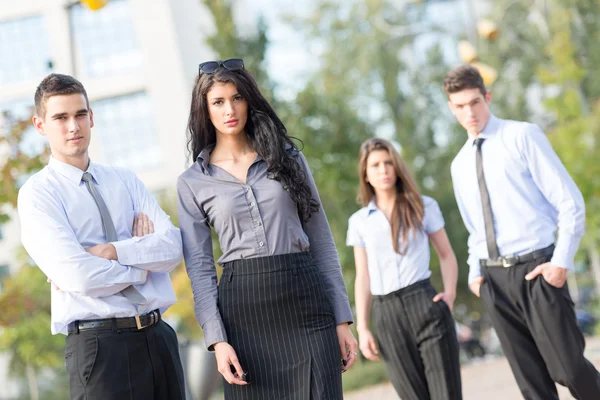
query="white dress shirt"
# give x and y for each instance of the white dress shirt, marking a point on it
(531, 194)
(389, 271)
(59, 220)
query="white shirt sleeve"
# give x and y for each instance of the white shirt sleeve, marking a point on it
(353, 236)
(51, 242)
(160, 251)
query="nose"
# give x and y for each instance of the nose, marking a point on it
(73, 125)
(228, 109)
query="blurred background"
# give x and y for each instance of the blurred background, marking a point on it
(337, 72)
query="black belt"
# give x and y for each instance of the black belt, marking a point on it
(138, 322)
(510, 261)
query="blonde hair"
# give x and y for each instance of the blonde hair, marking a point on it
(408, 211)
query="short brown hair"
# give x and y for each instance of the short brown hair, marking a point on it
(464, 77)
(56, 85)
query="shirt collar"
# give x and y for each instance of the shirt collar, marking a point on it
(372, 206)
(489, 130)
(70, 172)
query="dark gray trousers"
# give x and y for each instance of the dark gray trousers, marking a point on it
(537, 328)
(125, 364)
(417, 340)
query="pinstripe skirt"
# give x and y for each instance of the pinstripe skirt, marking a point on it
(279, 320)
(417, 340)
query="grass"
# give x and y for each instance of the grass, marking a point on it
(363, 374)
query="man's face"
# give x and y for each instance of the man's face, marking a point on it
(67, 124)
(471, 109)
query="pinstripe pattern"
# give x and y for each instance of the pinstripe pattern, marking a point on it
(280, 323)
(417, 340)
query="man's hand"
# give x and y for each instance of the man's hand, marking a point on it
(142, 225)
(476, 285)
(555, 276)
(104, 250)
(447, 297)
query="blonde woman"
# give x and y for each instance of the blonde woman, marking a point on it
(391, 236)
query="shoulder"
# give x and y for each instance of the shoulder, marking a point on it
(193, 172)
(460, 156)
(428, 202)
(359, 215)
(519, 131)
(36, 184)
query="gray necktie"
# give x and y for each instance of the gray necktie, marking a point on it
(108, 227)
(488, 218)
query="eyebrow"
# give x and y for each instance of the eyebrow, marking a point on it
(221, 98)
(464, 104)
(64, 114)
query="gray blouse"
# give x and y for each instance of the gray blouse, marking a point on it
(254, 219)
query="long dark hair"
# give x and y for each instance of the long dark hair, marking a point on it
(265, 131)
(409, 210)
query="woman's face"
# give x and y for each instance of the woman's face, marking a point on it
(227, 109)
(380, 171)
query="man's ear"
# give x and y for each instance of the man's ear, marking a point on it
(488, 97)
(91, 118)
(39, 124)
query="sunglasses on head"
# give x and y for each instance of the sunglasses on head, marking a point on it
(233, 64)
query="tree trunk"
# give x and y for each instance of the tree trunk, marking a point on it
(32, 381)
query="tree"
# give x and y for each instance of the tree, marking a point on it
(25, 301)
(372, 69)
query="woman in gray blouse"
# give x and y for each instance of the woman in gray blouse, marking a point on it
(279, 317)
(391, 235)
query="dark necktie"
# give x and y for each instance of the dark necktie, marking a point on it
(108, 227)
(488, 219)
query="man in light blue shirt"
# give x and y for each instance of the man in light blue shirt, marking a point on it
(514, 196)
(108, 248)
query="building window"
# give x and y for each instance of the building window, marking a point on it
(25, 50)
(105, 40)
(124, 126)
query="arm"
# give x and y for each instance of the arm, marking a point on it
(52, 244)
(363, 298)
(553, 180)
(199, 263)
(475, 279)
(324, 253)
(448, 265)
(159, 251)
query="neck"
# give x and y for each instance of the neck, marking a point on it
(386, 199)
(232, 146)
(81, 162)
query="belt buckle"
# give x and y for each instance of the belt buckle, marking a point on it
(139, 323)
(505, 263)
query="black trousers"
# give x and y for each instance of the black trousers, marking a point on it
(279, 320)
(536, 325)
(417, 340)
(125, 364)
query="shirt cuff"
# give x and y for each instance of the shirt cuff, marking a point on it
(126, 252)
(474, 269)
(564, 252)
(214, 332)
(342, 312)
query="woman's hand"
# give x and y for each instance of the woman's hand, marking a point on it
(226, 357)
(368, 345)
(348, 345)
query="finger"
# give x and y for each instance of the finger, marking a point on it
(145, 224)
(239, 371)
(438, 297)
(48, 280)
(373, 346)
(536, 271)
(151, 226)
(351, 359)
(134, 227)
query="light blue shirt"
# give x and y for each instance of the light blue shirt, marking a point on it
(531, 194)
(59, 220)
(389, 271)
